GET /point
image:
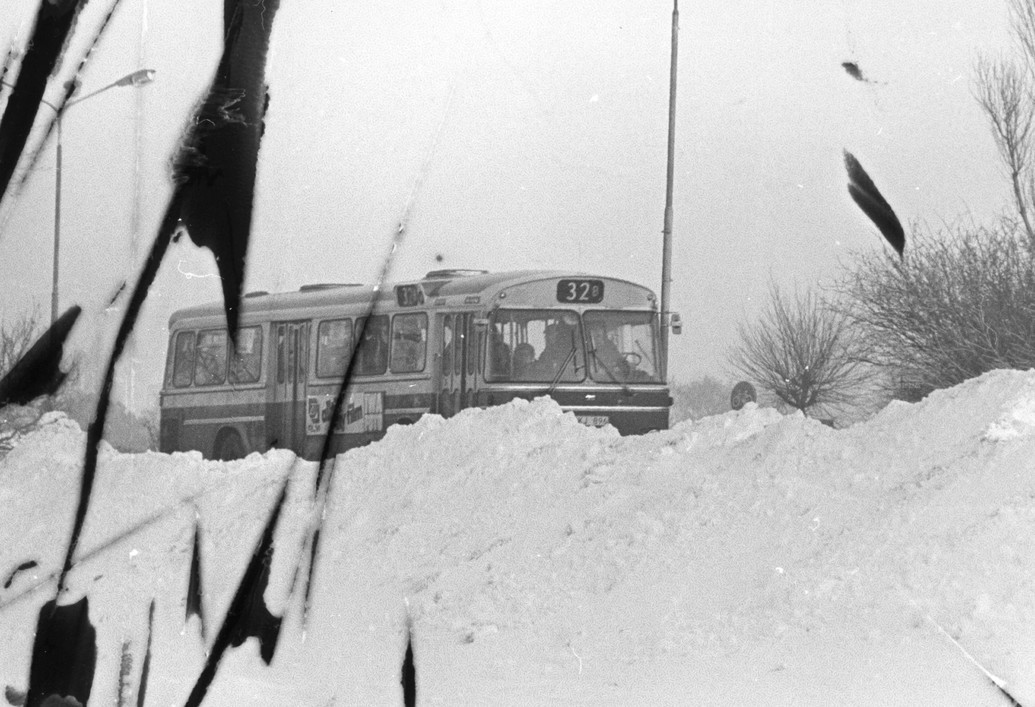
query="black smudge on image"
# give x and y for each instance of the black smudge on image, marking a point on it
(38, 372)
(50, 33)
(866, 195)
(64, 653)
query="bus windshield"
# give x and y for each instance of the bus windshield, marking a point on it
(621, 347)
(536, 346)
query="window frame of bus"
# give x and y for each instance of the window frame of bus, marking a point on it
(359, 346)
(348, 346)
(421, 316)
(651, 321)
(446, 364)
(557, 313)
(176, 363)
(458, 346)
(473, 350)
(232, 354)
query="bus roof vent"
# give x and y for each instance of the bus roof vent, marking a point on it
(453, 273)
(327, 286)
(257, 293)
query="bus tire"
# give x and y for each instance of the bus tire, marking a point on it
(229, 446)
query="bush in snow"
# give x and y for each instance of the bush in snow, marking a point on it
(805, 353)
(961, 303)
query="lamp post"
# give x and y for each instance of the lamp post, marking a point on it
(666, 246)
(136, 78)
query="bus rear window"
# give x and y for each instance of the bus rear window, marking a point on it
(409, 342)
(183, 359)
(246, 358)
(210, 357)
(333, 346)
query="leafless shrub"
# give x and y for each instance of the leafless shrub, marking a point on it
(805, 353)
(960, 304)
(16, 336)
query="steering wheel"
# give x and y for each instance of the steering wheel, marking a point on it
(630, 358)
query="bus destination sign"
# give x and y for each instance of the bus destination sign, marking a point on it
(580, 291)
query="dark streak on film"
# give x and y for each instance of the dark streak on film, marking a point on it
(409, 671)
(247, 615)
(38, 372)
(322, 487)
(866, 195)
(195, 606)
(214, 172)
(71, 86)
(145, 669)
(216, 166)
(54, 22)
(64, 653)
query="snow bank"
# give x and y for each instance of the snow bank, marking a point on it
(744, 558)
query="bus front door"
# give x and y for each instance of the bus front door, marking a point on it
(285, 407)
(454, 362)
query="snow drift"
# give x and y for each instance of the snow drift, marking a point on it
(748, 558)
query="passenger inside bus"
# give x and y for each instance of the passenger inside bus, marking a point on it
(524, 360)
(559, 344)
(500, 353)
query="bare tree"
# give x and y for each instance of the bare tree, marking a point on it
(804, 352)
(1006, 92)
(16, 336)
(961, 304)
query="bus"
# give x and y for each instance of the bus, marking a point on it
(453, 340)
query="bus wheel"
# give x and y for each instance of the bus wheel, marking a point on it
(229, 446)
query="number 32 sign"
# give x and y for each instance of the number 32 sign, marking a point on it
(580, 291)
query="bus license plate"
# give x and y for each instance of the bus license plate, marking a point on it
(593, 420)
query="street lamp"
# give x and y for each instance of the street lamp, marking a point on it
(136, 78)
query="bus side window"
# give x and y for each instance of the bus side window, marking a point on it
(246, 357)
(409, 342)
(372, 351)
(183, 361)
(447, 344)
(333, 345)
(210, 357)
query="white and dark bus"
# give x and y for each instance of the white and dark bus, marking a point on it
(453, 340)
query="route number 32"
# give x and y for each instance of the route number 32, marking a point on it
(580, 291)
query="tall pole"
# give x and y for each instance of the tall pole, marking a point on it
(666, 247)
(136, 78)
(57, 226)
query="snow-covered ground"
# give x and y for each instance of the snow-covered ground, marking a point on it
(745, 559)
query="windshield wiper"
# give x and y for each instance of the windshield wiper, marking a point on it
(560, 371)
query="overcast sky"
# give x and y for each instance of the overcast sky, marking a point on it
(526, 134)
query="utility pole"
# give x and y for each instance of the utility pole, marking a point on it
(666, 247)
